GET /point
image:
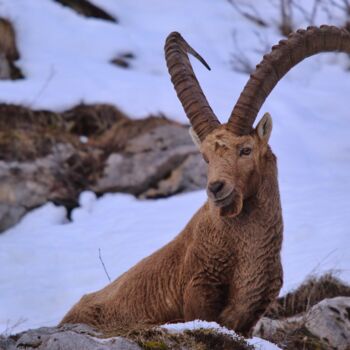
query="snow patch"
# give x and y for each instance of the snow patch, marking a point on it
(258, 343)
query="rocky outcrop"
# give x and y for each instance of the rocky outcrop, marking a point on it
(159, 163)
(329, 320)
(47, 156)
(68, 337)
(82, 337)
(326, 325)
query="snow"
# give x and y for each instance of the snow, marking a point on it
(260, 344)
(48, 263)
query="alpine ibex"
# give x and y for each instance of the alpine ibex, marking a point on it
(225, 265)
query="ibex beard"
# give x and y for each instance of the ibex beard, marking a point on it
(225, 265)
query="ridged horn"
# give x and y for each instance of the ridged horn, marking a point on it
(283, 57)
(189, 92)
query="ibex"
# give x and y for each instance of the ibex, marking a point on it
(225, 265)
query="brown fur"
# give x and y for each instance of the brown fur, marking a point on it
(224, 266)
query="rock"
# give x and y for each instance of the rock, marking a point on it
(268, 328)
(7, 343)
(82, 337)
(67, 337)
(330, 321)
(158, 160)
(191, 175)
(26, 185)
(43, 157)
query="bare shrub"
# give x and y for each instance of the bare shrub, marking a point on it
(286, 10)
(249, 12)
(240, 61)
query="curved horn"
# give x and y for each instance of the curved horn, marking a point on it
(187, 87)
(283, 57)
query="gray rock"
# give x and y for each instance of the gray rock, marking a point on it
(191, 175)
(26, 185)
(330, 320)
(7, 343)
(67, 337)
(267, 327)
(156, 164)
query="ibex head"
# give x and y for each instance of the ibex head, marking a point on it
(234, 164)
(235, 151)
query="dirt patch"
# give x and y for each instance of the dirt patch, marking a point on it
(123, 60)
(8, 51)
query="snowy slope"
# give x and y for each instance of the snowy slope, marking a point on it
(47, 263)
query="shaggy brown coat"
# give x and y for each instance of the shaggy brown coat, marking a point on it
(225, 265)
(223, 268)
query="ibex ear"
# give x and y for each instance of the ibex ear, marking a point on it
(195, 137)
(264, 127)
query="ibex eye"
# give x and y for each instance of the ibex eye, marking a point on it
(245, 151)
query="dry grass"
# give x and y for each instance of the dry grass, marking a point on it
(151, 338)
(26, 134)
(308, 294)
(299, 339)
(92, 120)
(297, 302)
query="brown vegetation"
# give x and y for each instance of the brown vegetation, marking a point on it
(296, 336)
(26, 134)
(8, 51)
(311, 292)
(151, 338)
(50, 156)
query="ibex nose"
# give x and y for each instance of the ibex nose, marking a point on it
(215, 187)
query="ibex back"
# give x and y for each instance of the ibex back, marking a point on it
(225, 265)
